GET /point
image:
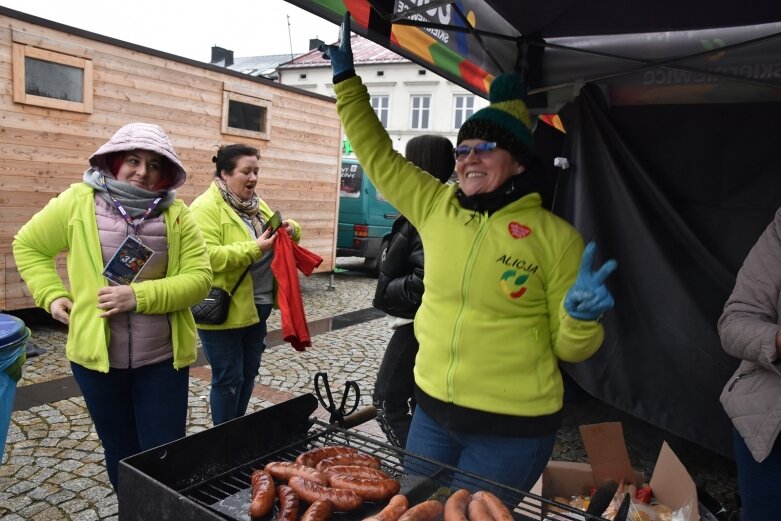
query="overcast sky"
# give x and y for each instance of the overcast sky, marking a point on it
(190, 28)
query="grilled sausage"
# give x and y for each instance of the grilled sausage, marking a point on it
(430, 510)
(288, 503)
(309, 491)
(359, 458)
(312, 457)
(320, 510)
(495, 506)
(354, 470)
(397, 505)
(283, 470)
(371, 489)
(478, 511)
(456, 505)
(263, 493)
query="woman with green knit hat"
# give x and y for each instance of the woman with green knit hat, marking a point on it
(509, 288)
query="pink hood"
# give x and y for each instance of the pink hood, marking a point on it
(143, 136)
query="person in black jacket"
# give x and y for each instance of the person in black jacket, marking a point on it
(399, 293)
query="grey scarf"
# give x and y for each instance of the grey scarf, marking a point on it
(247, 210)
(135, 200)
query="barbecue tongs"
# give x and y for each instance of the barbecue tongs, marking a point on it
(337, 413)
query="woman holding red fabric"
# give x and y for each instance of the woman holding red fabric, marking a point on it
(231, 217)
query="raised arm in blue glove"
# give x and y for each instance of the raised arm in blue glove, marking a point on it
(341, 56)
(589, 298)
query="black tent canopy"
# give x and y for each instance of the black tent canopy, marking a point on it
(670, 110)
(560, 45)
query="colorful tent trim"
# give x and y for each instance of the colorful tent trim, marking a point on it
(418, 42)
(553, 120)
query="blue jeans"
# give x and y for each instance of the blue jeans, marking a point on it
(135, 409)
(234, 355)
(514, 462)
(759, 483)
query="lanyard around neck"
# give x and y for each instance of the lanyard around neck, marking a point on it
(129, 220)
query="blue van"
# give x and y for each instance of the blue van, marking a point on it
(365, 218)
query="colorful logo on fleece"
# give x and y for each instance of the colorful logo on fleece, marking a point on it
(513, 284)
(518, 230)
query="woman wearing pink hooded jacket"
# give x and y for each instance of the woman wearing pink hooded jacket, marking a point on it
(136, 262)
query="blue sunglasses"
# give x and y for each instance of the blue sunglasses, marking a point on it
(462, 151)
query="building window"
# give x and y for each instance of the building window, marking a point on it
(51, 79)
(421, 107)
(380, 105)
(463, 107)
(245, 116)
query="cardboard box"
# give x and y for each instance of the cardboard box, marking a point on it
(609, 459)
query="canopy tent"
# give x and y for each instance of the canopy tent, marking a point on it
(559, 45)
(669, 110)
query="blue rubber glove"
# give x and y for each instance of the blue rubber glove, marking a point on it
(342, 56)
(589, 298)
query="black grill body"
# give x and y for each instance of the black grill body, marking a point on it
(207, 475)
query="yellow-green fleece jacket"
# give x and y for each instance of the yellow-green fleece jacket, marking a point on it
(67, 223)
(231, 249)
(491, 326)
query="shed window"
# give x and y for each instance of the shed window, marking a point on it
(245, 116)
(51, 79)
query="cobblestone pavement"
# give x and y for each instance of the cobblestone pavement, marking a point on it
(53, 464)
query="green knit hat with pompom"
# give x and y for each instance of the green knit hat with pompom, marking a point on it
(506, 120)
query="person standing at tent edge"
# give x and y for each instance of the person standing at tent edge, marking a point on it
(509, 288)
(750, 330)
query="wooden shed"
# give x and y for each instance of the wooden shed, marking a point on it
(64, 91)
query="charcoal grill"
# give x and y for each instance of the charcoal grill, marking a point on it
(207, 475)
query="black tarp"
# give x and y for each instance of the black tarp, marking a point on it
(674, 194)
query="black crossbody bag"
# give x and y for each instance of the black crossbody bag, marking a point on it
(213, 310)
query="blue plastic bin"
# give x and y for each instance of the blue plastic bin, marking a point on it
(13, 343)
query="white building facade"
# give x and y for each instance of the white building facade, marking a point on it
(409, 99)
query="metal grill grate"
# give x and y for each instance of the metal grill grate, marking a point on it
(227, 495)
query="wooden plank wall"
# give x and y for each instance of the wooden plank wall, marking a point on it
(44, 150)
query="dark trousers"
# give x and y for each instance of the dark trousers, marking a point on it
(234, 356)
(395, 386)
(135, 409)
(759, 483)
